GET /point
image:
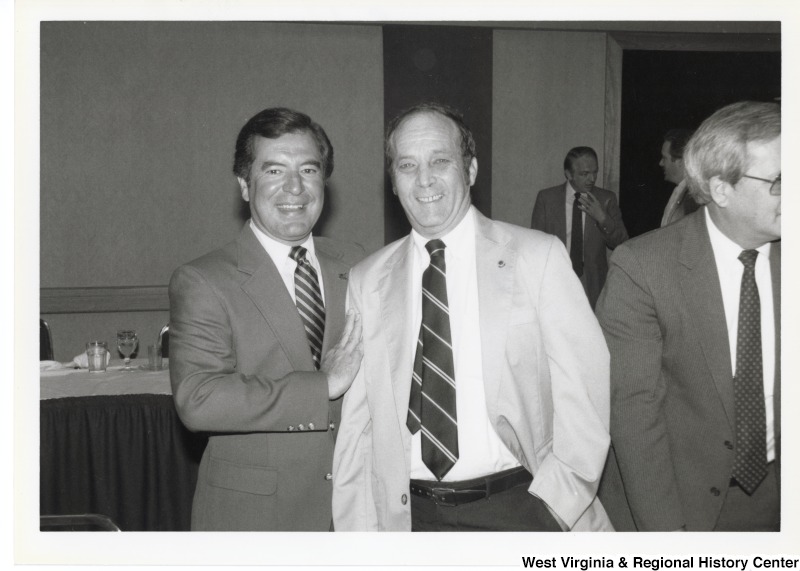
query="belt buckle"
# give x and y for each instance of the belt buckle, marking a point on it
(440, 499)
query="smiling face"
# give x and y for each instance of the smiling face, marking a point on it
(285, 187)
(582, 174)
(428, 173)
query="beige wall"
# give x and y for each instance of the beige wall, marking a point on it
(549, 96)
(138, 123)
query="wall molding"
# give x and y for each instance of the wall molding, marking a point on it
(103, 299)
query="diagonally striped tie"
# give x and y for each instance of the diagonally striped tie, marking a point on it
(432, 404)
(309, 302)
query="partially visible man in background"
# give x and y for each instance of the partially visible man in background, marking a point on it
(254, 358)
(585, 218)
(680, 201)
(691, 314)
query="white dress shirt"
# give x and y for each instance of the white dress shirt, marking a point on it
(730, 270)
(481, 452)
(286, 265)
(570, 200)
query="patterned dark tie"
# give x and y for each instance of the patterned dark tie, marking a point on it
(576, 243)
(432, 405)
(750, 465)
(309, 302)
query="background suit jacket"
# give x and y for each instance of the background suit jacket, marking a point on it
(241, 369)
(547, 401)
(550, 215)
(672, 409)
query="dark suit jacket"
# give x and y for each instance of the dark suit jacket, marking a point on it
(550, 215)
(241, 370)
(672, 409)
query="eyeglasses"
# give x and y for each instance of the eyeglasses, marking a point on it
(774, 184)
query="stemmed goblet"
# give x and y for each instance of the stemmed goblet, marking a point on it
(126, 343)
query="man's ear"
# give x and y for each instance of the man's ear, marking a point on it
(243, 187)
(473, 170)
(720, 191)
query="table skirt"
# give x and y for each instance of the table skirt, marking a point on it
(128, 457)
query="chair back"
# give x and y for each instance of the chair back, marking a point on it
(163, 341)
(45, 341)
(77, 522)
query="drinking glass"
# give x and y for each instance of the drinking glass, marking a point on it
(126, 343)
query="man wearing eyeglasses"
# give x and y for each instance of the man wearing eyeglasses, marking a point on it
(691, 315)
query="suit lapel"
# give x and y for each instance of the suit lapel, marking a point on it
(334, 281)
(394, 292)
(495, 265)
(560, 216)
(703, 297)
(264, 286)
(775, 267)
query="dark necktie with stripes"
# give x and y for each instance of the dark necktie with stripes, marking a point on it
(309, 302)
(750, 464)
(432, 405)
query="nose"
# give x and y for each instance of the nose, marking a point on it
(424, 178)
(294, 183)
(661, 163)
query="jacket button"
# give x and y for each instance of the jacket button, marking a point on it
(728, 445)
(404, 499)
(290, 428)
(332, 425)
(300, 427)
(329, 476)
(311, 426)
(715, 491)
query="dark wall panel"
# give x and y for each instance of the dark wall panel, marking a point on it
(451, 65)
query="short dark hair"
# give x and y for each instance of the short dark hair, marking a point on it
(273, 123)
(468, 151)
(576, 153)
(677, 139)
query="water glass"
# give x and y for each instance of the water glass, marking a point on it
(154, 360)
(96, 355)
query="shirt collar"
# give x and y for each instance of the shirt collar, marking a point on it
(460, 241)
(279, 251)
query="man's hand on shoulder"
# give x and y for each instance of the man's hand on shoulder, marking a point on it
(342, 361)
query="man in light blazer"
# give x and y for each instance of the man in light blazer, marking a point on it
(691, 314)
(245, 358)
(504, 425)
(601, 220)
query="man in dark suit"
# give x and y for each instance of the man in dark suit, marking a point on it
(691, 314)
(254, 358)
(584, 217)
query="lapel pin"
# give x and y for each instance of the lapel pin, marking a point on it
(501, 264)
(343, 276)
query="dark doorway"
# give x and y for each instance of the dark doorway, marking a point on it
(435, 63)
(662, 90)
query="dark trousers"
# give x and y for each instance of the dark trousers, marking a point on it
(759, 512)
(512, 510)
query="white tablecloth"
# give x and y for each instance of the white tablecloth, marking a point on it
(69, 382)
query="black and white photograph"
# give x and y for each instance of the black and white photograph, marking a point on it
(305, 274)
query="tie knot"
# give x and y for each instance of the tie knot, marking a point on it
(298, 254)
(748, 258)
(435, 248)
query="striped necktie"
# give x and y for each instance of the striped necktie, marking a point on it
(432, 403)
(309, 302)
(750, 464)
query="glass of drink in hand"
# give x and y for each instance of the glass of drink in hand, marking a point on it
(126, 343)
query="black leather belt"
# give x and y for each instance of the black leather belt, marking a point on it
(456, 493)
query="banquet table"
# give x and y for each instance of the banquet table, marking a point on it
(112, 443)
